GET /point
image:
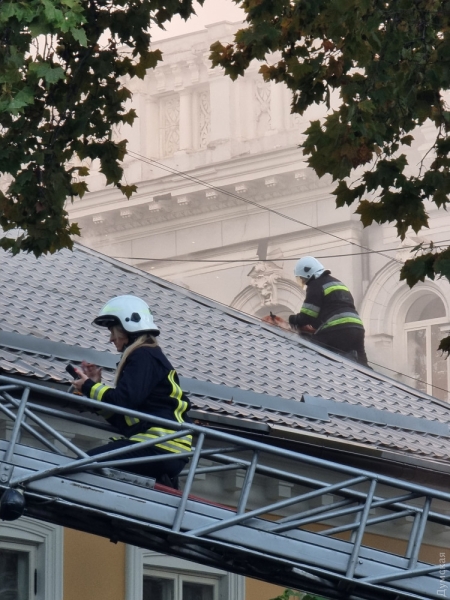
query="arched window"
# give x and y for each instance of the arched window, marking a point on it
(426, 323)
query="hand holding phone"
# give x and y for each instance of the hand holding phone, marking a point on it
(71, 370)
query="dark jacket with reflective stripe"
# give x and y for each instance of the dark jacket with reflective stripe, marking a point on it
(328, 304)
(147, 383)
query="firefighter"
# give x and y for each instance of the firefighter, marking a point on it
(145, 382)
(329, 308)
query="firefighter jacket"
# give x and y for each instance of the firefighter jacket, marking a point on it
(328, 305)
(147, 383)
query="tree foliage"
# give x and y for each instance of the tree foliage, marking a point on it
(63, 64)
(389, 61)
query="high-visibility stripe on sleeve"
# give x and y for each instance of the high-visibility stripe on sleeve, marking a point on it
(98, 390)
(177, 393)
(327, 289)
(310, 310)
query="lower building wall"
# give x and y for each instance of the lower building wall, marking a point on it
(260, 590)
(94, 567)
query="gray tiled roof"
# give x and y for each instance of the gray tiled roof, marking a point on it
(55, 298)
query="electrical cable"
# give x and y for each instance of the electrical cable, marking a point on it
(246, 200)
(255, 260)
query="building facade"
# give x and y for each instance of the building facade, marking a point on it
(226, 204)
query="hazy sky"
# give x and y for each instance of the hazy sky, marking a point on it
(212, 12)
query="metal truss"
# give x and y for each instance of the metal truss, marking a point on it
(295, 542)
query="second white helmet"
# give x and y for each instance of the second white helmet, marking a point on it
(132, 313)
(308, 267)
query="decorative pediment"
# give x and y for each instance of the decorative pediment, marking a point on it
(264, 276)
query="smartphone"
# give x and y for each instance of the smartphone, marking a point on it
(71, 370)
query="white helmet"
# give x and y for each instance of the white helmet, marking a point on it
(132, 313)
(308, 267)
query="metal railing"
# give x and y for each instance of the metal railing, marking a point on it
(363, 499)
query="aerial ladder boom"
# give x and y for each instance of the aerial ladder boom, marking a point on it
(294, 542)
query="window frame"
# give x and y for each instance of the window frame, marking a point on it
(44, 541)
(427, 324)
(140, 562)
(401, 304)
(180, 576)
(30, 550)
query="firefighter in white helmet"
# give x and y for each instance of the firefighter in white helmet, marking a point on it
(145, 382)
(328, 312)
(330, 309)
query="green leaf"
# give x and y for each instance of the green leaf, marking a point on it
(79, 188)
(17, 103)
(79, 34)
(127, 190)
(416, 269)
(47, 71)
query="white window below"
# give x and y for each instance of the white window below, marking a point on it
(170, 585)
(17, 568)
(155, 576)
(30, 560)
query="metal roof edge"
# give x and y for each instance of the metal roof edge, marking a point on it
(226, 421)
(249, 398)
(379, 416)
(34, 344)
(326, 441)
(363, 450)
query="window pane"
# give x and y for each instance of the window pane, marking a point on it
(158, 588)
(426, 307)
(417, 358)
(14, 575)
(439, 375)
(197, 591)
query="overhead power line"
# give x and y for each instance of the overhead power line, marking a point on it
(185, 175)
(256, 260)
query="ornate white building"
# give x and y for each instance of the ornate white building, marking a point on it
(226, 204)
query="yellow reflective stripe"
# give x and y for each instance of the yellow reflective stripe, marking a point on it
(343, 321)
(308, 311)
(334, 288)
(182, 444)
(98, 390)
(180, 410)
(177, 393)
(131, 420)
(160, 432)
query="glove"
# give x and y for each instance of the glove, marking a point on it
(277, 321)
(307, 329)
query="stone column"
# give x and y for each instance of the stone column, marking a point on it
(247, 113)
(185, 120)
(220, 95)
(277, 107)
(151, 147)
